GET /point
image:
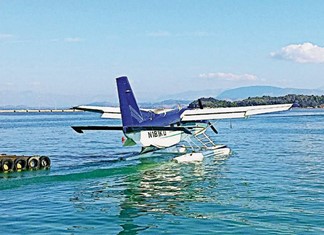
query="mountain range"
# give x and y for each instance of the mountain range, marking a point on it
(191, 95)
(29, 99)
(258, 91)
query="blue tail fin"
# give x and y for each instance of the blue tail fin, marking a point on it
(131, 114)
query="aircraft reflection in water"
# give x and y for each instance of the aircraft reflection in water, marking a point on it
(155, 189)
(160, 129)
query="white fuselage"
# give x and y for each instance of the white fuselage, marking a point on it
(159, 139)
(164, 139)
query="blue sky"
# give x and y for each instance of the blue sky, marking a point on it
(80, 47)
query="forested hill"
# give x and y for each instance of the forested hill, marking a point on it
(302, 101)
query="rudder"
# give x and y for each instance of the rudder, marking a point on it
(130, 112)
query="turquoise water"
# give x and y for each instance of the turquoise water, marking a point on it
(273, 183)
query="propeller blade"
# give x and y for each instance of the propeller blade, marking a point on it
(80, 129)
(200, 104)
(212, 127)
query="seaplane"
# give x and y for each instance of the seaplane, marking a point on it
(182, 129)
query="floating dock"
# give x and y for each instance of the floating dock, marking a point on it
(9, 163)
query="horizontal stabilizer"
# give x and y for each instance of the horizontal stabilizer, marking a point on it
(114, 112)
(158, 128)
(80, 129)
(107, 112)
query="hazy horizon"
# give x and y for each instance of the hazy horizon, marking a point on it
(51, 100)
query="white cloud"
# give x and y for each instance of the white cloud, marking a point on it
(230, 76)
(73, 39)
(301, 53)
(7, 84)
(6, 36)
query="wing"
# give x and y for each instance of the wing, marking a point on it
(114, 112)
(233, 112)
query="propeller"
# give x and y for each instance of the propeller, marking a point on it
(212, 127)
(200, 104)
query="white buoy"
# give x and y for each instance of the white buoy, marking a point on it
(189, 157)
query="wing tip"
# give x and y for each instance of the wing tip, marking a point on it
(77, 129)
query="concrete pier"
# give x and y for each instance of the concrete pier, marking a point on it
(40, 111)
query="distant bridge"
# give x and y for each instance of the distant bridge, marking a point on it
(39, 110)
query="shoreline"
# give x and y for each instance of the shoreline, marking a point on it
(31, 110)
